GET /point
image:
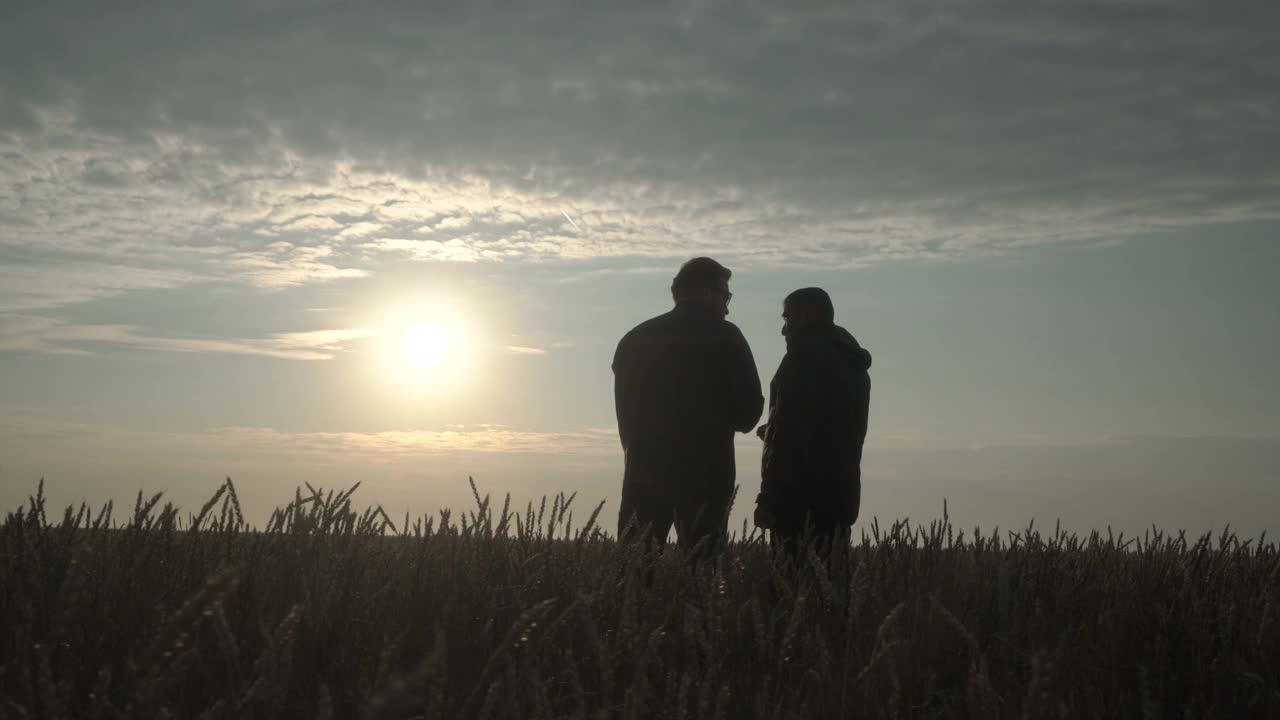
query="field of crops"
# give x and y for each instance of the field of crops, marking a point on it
(497, 613)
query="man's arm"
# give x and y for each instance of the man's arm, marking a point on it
(862, 411)
(746, 402)
(621, 379)
(790, 431)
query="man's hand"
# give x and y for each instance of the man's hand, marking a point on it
(760, 431)
(764, 518)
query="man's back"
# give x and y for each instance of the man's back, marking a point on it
(684, 382)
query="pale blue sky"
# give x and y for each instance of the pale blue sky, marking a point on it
(1057, 243)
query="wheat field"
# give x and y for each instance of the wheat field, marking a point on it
(331, 612)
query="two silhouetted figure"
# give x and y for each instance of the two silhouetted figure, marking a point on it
(685, 382)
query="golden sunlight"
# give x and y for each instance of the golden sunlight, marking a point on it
(428, 350)
(424, 345)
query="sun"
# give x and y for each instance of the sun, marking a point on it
(424, 345)
(428, 350)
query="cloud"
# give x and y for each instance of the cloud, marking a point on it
(289, 265)
(520, 350)
(455, 250)
(46, 283)
(360, 229)
(828, 135)
(23, 332)
(52, 335)
(311, 222)
(452, 223)
(385, 446)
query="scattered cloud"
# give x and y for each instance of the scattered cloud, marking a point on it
(359, 229)
(828, 134)
(51, 282)
(383, 446)
(455, 250)
(519, 350)
(47, 334)
(311, 222)
(452, 223)
(400, 443)
(286, 264)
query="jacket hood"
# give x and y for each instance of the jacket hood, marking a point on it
(857, 355)
(833, 338)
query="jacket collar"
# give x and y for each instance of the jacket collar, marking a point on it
(696, 308)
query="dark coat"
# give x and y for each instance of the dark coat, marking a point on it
(818, 405)
(684, 382)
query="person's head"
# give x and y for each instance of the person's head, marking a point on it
(703, 281)
(805, 309)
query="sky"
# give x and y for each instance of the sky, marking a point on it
(1054, 225)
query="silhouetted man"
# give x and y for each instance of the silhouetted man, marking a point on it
(684, 382)
(811, 477)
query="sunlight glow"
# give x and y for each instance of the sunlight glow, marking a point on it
(424, 345)
(428, 352)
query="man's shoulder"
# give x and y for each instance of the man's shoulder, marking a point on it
(655, 325)
(707, 329)
(710, 324)
(680, 327)
(647, 333)
(730, 329)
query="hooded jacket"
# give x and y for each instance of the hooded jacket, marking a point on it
(818, 405)
(684, 383)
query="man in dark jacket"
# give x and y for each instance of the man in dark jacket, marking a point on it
(684, 382)
(811, 477)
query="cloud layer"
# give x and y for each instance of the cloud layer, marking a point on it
(287, 143)
(47, 334)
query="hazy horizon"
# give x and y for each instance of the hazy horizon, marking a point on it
(1054, 227)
